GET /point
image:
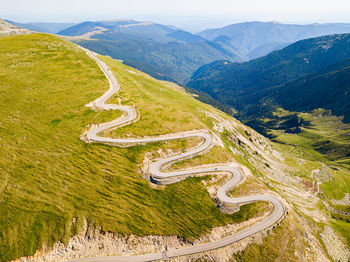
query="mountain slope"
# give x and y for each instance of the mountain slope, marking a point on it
(86, 27)
(147, 30)
(303, 77)
(255, 39)
(186, 36)
(328, 89)
(50, 178)
(161, 51)
(242, 84)
(55, 186)
(167, 61)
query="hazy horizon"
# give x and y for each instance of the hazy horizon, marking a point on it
(192, 15)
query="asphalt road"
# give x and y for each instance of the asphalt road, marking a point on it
(157, 176)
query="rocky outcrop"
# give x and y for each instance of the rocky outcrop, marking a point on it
(9, 29)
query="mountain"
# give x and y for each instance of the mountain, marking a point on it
(239, 84)
(149, 30)
(255, 39)
(52, 28)
(302, 77)
(161, 51)
(185, 36)
(174, 61)
(328, 88)
(9, 29)
(63, 198)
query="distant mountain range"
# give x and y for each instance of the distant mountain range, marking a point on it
(309, 74)
(256, 39)
(169, 53)
(164, 52)
(52, 28)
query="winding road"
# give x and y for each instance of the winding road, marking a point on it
(159, 177)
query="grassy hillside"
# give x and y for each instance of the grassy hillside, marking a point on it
(324, 134)
(50, 178)
(297, 163)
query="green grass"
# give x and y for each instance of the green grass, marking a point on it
(215, 155)
(327, 138)
(343, 228)
(48, 176)
(163, 108)
(343, 208)
(337, 185)
(251, 186)
(335, 180)
(284, 244)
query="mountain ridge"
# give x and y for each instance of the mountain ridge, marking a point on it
(251, 37)
(302, 78)
(162, 51)
(43, 27)
(300, 58)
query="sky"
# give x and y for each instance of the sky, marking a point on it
(183, 13)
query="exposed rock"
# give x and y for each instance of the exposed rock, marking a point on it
(334, 245)
(94, 242)
(345, 201)
(9, 29)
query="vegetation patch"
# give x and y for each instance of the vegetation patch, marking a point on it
(324, 133)
(285, 243)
